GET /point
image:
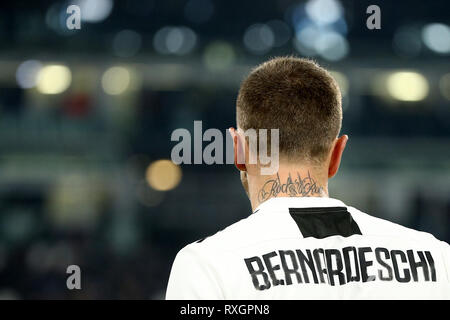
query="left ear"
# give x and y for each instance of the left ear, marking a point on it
(336, 155)
(238, 150)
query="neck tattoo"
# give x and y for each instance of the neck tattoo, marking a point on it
(298, 187)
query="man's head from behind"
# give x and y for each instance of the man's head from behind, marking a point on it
(303, 101)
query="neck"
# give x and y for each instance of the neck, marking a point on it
(288, 182)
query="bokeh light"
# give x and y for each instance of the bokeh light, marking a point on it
(94, 10)
(174, 40)
(324, 12)
(53, 79)
(331, 46)
(126, 43)
(116, 80)
(436, 37)
(27, 73)
(259, 38)
(407, 42)
(308, 36)
(320, 29)
(219, 56)
(163, 175)
(282, 32)
(407, 86)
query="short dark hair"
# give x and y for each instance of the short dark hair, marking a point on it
(299, 98)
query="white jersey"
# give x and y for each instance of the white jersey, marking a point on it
(312, 248)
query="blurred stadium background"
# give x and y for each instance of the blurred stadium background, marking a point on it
(86, 117)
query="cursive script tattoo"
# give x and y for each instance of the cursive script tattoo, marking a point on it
(298, 187)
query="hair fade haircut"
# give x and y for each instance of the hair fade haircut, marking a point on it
(299, 98)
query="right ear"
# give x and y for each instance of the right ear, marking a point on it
(239, 156)
(336, 155)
